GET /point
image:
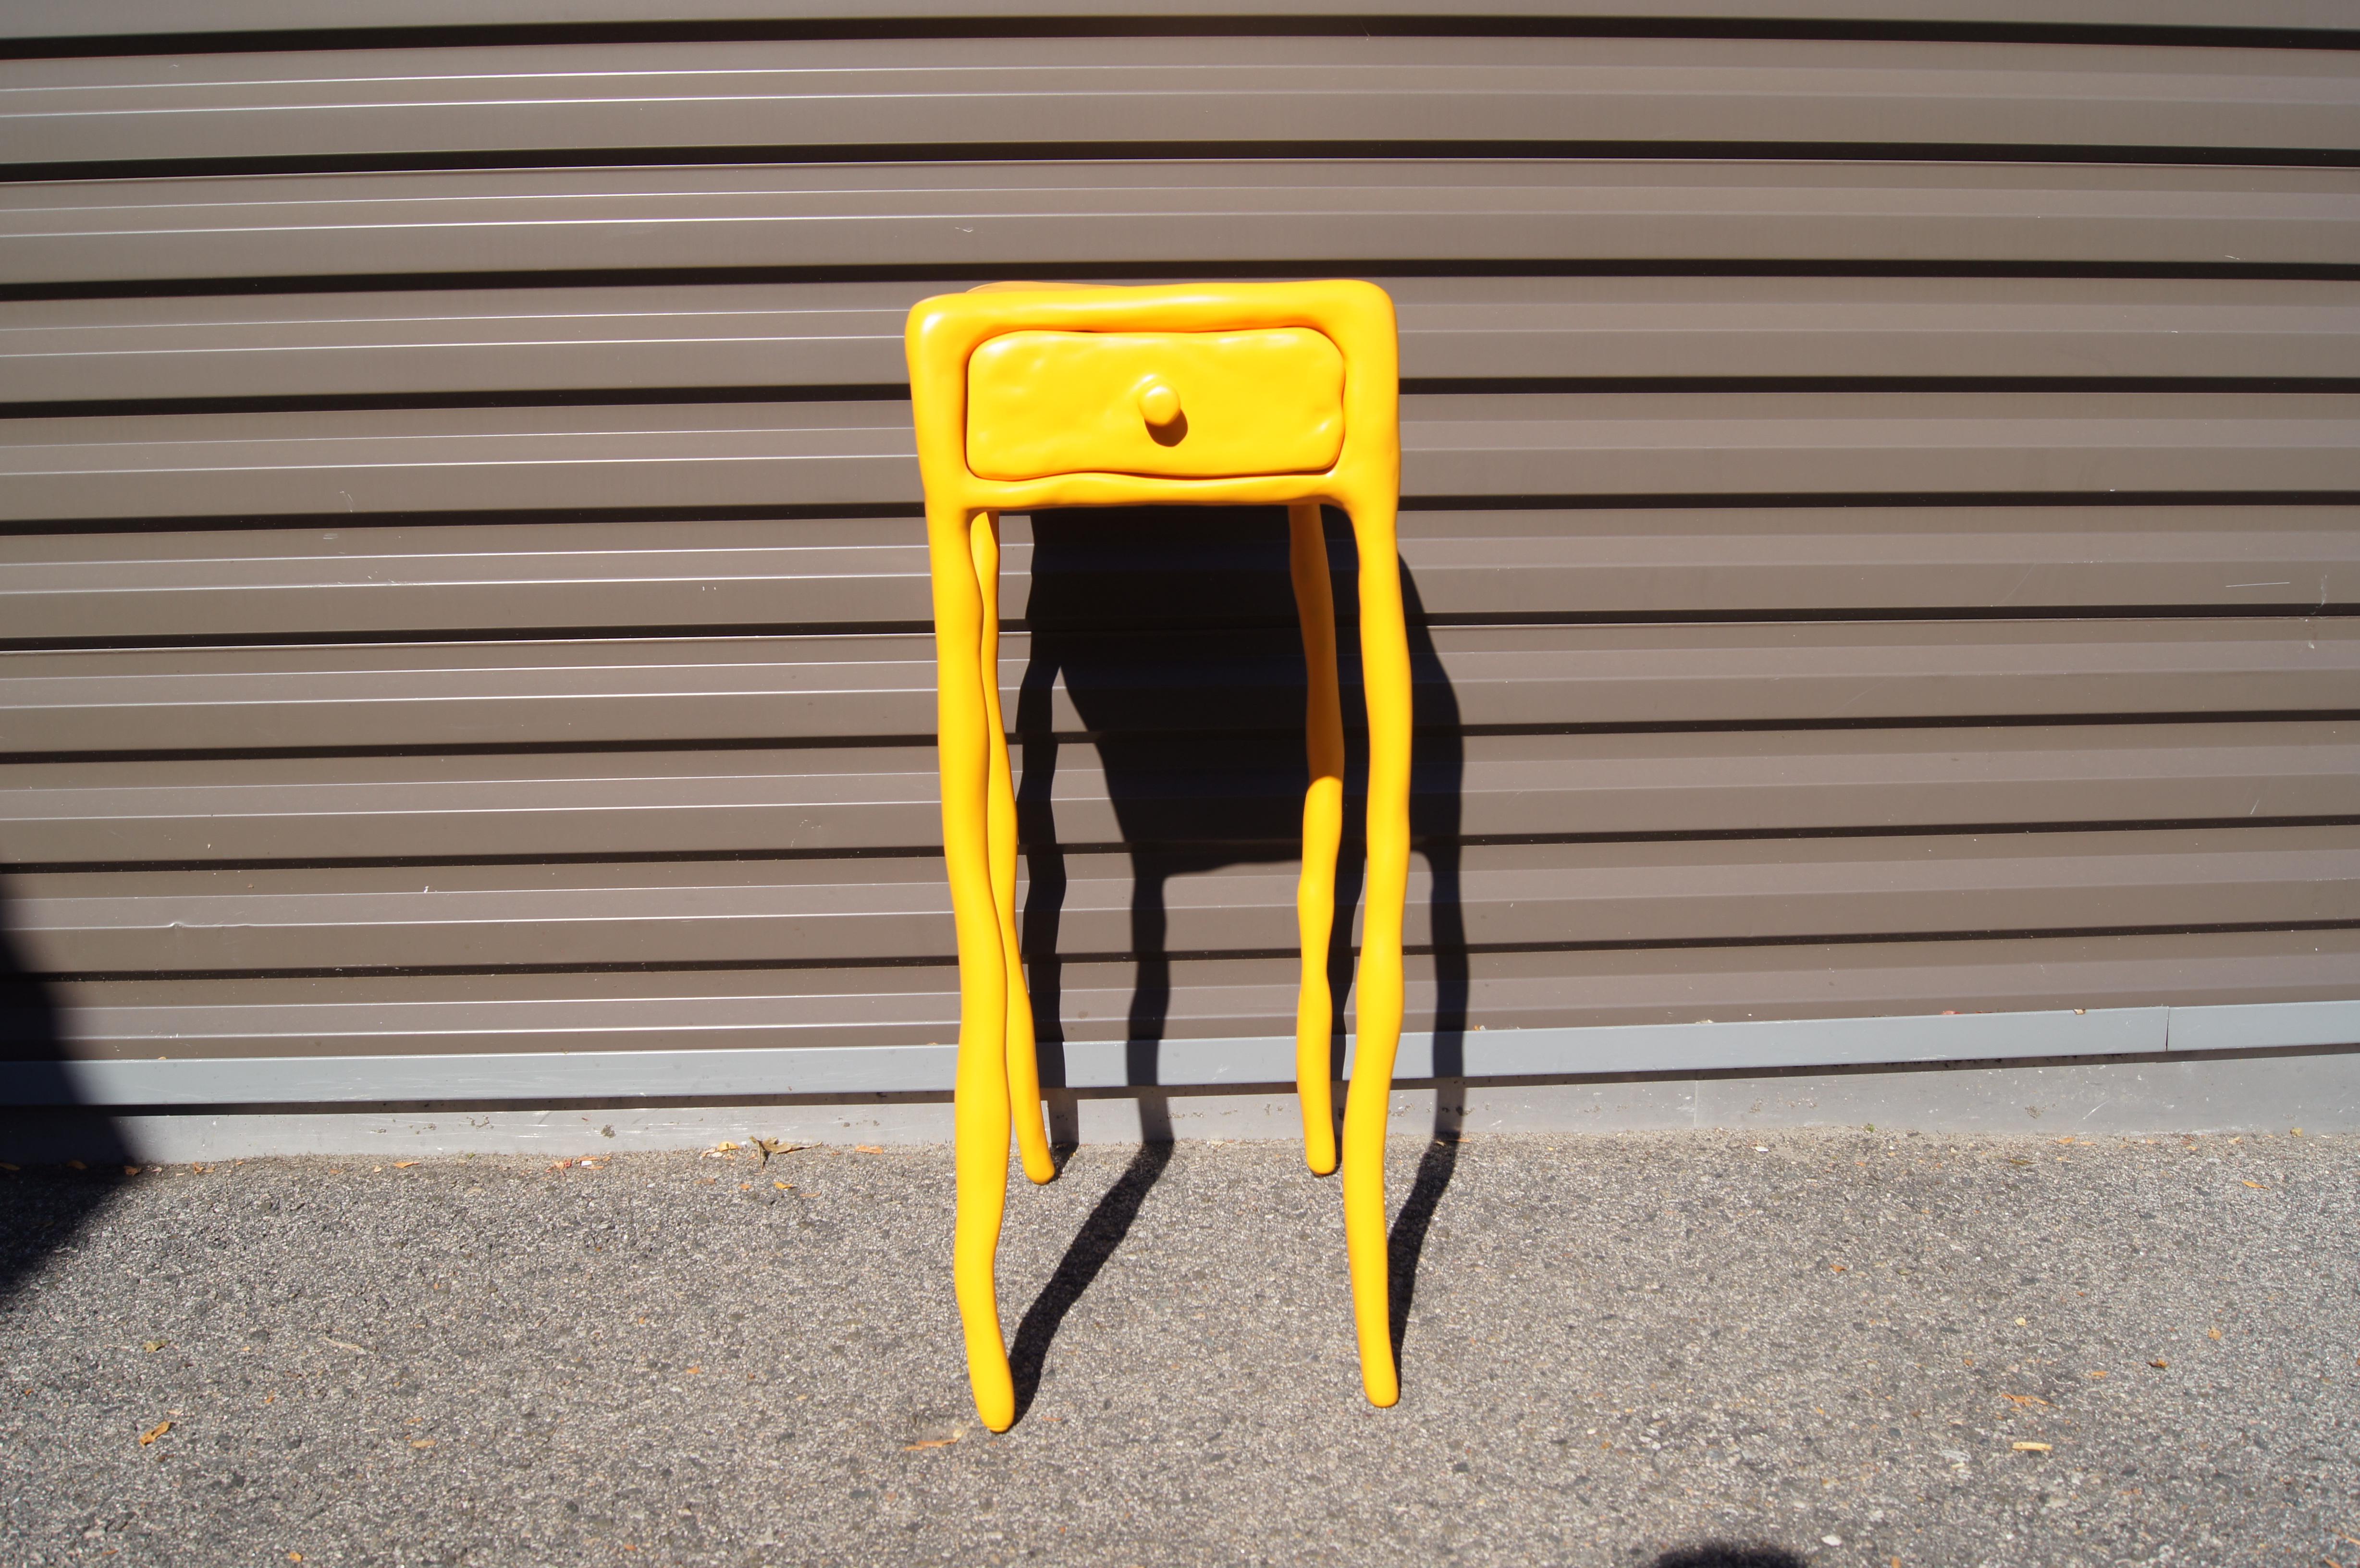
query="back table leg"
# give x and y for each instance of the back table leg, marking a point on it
(1023, 1064)
(1323, 828)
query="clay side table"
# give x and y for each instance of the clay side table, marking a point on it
(1044, 394)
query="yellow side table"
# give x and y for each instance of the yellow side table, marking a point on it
(1033, 395)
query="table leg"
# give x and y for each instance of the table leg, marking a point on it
(1023, 1061)
(1386, 674)
(1323, 829)
(980, 1098)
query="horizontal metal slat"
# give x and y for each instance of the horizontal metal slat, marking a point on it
(331, 808)
(522, 342)
(461, 341)
(359, 580)
(681, 1076)
(837, 912)
(2055, 1035)
(1288, 215)
(1570, 444)
(100, 19)
(1592, 562)
(678, 1076)
(873, 799)
(593, 694)
(1786, 561)
(874, 92)
(821, 454)
(1224, 998)
(775, 454)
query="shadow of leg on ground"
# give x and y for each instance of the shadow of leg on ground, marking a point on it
(1100, 1234)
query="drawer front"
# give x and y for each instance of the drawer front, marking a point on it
(1167, 405)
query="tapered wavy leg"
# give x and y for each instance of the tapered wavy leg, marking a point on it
(982, 1102)
(1385, 663)
(1023, 1064)
(1323, 829)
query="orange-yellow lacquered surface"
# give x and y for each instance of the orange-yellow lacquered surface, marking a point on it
(1173, 405)
(1033, 394)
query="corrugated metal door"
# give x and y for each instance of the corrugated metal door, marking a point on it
(1878, 507)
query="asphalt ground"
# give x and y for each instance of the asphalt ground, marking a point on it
(1648, 1349)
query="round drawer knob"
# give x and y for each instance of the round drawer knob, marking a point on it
(1159, 404)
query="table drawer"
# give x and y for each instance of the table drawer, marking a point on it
(1169, 405)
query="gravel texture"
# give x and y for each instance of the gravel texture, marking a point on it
(1688, 1349)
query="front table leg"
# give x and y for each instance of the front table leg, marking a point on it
(1385, 675)
(980, 1099)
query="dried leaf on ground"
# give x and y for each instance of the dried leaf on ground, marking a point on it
(2031, 1447)
(153, 1432)
(929, 1443)
(868, 1149)
(2097, 1374)
(2212, 1333)
(2160, 1365)
(422, 1443)
(770, 1146)
(2028, 1400)
(2257, 1186)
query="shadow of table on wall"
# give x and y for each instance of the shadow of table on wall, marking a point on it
(40, 1123)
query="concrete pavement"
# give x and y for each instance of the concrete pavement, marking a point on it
(1638, 1349)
